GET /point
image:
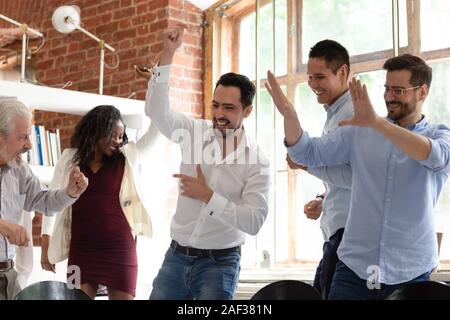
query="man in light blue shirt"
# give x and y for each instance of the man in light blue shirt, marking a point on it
(399, 167)
(328, 69)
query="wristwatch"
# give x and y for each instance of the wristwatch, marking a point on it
(320, 196)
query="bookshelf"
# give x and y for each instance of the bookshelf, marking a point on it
(71, 102)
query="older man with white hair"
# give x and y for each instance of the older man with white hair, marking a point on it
(21, 190)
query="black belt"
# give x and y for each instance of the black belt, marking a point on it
(194, 252)
(6, 265)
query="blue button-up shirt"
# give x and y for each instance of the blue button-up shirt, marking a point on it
(390, 228)
(336, 203)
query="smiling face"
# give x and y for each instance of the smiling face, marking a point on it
(16, 142)
(405, 108)
(227, 110)
(109, 146)
(326, 85)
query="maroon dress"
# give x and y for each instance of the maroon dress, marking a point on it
(102, 244)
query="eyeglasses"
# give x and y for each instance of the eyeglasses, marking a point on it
(398, 92)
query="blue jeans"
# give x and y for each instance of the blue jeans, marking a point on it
(184, 277)
(347, 285)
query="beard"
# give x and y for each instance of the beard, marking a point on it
(401, 111)
(225, 130)
(18, 161)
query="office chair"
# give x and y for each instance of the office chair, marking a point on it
(287, 290)
(426, 290)
(51, 290)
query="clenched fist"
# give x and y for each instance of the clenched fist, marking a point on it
(313, 209)
(77, 183)
(16, 234)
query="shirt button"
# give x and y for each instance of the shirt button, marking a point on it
(390, 178)
(385, 221)
(388, 199)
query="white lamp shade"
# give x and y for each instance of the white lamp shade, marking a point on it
(65, 19)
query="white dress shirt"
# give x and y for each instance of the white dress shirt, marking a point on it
(240, 182)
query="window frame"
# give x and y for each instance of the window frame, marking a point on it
(223, 20)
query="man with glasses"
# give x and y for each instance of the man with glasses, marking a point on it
(399, 167)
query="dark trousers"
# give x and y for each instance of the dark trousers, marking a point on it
(327, 266)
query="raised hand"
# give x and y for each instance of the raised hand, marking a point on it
(172, 39)
(313, 209)
(77, 183)
(279, 99)
(292, 129)
(195, 187)
(365, 115)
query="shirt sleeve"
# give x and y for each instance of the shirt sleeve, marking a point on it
(250, 213)
(340, 176)
(330, 149)
(171, 124)
(439, 158)
(39, 198)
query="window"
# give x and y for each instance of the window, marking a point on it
(277, 35)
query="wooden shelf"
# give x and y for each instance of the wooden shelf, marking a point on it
(73, 102)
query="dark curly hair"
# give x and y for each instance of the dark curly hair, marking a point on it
(95, 125)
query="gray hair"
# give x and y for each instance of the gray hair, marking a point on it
(10, 108)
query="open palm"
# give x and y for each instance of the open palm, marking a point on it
(279, 99)
(365, 115)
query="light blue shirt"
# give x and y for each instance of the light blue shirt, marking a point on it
(336, 203)
(390, 228)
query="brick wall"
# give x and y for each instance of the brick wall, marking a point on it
(133, 28)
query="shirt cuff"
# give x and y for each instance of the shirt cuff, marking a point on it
(66, 199)
(435, 157)
(296, 150)
(47, 228)
(162, 73)
(216, 205)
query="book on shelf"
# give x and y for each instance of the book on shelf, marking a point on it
(46, 146)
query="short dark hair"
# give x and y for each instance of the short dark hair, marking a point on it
(244, 84)
(334, 54)
(93, 126)
(421, 73)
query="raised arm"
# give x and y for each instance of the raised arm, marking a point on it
(414, 145)
(292, 129)
(157, 105)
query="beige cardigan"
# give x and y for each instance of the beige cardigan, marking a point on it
(132, 200)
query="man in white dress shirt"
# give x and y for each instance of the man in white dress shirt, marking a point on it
(224, 185)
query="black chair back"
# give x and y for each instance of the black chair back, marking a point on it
(426, 290)
(51, 290)
(287, 290)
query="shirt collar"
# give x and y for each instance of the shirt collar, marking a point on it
(422, 123)
(337, 105)
(245, 142)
